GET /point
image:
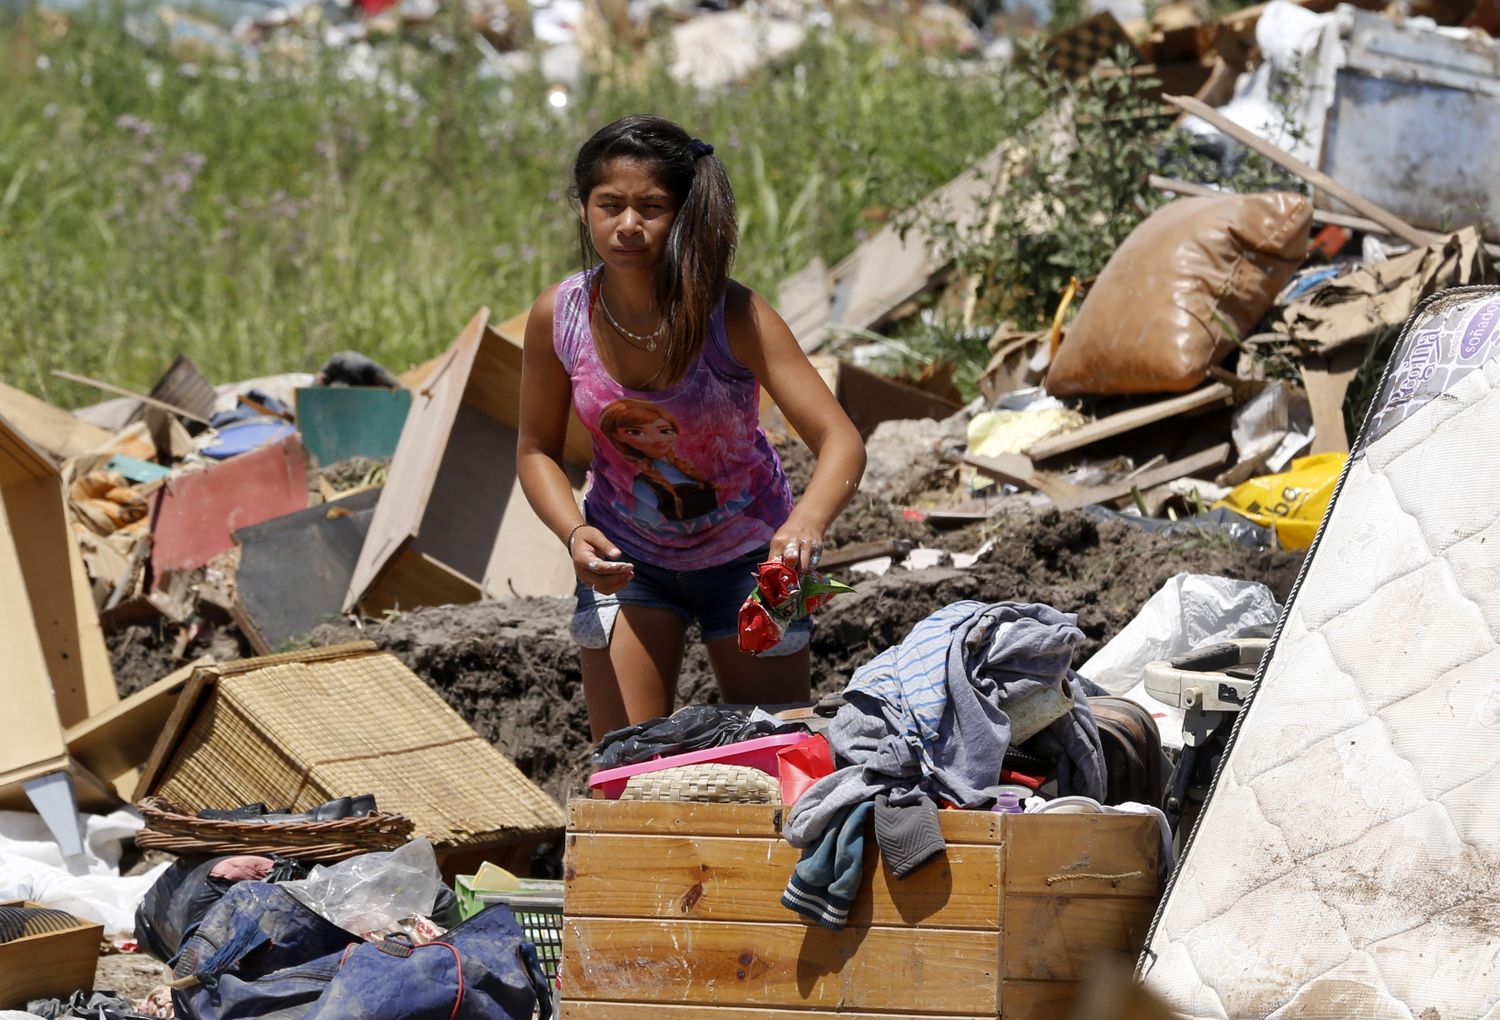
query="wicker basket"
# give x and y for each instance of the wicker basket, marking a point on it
(712, 782)
(175, 831)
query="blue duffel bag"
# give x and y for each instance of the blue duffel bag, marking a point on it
(484, 969)
(260, 954)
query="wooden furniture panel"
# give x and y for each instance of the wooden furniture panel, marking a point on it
(1057, 938)
(702, 962)
(727, 879)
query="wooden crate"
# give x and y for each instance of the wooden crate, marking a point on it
(673, 912)
(52, 965)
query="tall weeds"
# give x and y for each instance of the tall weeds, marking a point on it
(260, 217)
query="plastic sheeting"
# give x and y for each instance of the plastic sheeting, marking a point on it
(88, 886)
(1190, 611)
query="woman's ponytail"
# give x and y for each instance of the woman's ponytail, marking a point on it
(700, 250)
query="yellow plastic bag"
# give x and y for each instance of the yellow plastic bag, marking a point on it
(1293, 502)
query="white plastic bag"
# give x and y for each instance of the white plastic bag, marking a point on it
(88, 886)
(1190, 611)
(372, 891)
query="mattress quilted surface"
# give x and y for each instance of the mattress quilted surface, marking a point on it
(1347, 863)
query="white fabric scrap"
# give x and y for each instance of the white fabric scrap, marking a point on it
(88, 886)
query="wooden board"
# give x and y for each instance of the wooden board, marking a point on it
(294, 569)
(182, 385)
(413, 580)
(1057, 938)
(726, 879)
(682, 818)
(452, 494)
(703, 962)
(58, 669)
(115, 743)
(1212, 395)
(339, 422)
(870, 399)
(52, 429)
(1205, 460)
(502, 394)
(1082, 855)
(889, 269)
(49, 965)
(196, 514)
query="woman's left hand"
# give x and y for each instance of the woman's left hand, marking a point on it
(798, 545)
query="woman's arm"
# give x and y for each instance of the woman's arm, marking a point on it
(546, 398)
(761, 340)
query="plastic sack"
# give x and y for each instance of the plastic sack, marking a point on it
(1293, 502)
(1190, 611)
(369, 892)
(800, 766)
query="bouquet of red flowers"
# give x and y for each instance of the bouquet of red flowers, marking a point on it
(781, 595)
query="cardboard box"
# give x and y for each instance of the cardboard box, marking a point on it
(52, 965)
(674, 909)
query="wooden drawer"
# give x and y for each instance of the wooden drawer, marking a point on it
(673, 912)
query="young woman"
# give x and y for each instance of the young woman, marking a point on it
(663, 357)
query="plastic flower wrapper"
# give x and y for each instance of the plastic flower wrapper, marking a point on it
(781, 595)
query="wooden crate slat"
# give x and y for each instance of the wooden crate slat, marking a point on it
(1057, 938)
(753, 820)
(1082, 855)
(712, 963)
(726, 879)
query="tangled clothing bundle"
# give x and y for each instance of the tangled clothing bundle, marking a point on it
(928, 716)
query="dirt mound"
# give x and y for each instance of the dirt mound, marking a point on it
(511, 669)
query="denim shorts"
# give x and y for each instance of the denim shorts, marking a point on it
(711, 596)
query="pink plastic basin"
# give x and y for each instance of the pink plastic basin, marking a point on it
(759, 753)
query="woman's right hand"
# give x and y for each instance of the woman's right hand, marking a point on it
(596, 561)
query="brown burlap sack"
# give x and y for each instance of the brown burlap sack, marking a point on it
(1194, 277)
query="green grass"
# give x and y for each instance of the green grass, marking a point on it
(260, 220)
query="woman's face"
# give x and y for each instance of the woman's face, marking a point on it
(629, 215)
(654, 439)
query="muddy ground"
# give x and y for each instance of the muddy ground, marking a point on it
(511, 670)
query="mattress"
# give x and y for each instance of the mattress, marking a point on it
(1347, 863)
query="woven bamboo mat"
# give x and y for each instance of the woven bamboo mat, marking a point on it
(296, 732)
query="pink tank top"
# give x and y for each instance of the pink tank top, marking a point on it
(683, 477)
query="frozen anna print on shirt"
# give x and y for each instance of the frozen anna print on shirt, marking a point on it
(666, 487)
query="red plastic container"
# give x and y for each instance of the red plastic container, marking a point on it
(762, 753)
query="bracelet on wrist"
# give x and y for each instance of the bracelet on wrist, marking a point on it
(569, 540)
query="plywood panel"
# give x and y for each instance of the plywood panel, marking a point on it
(414, 466)
(762, 820)
(294, 570)
(53, 429)
(62, 605)
(498, 387)
(339, 422)
(726, 879)
(704, 962)
(1057, 938)
(196, 513)
(1082, 855)
(414, 580)
(36, 736)
(115, 743)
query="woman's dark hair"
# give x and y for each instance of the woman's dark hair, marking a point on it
(700, 247)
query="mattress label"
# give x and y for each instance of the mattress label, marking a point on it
(1453, 338)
